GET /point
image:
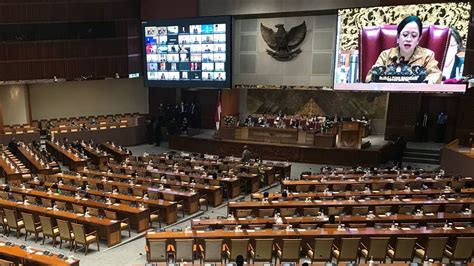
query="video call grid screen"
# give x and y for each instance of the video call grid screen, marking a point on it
(188, 52)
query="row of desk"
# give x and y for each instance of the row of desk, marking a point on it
(69, 158)
(21, 256)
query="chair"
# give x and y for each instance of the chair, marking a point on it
(310, 211)
(374, 39)
(264, 213)
(406, 209)
(31, 226)
(382, 209)
(243, 213)
(291, 250)
(184, 251)
(397, 185)
(156, 250)
(212, 251)
(203, 201)
(377, 249)
(434, 249)
(335, 210)
(3, 221)
(462, 250)
(357, 225)
(13, 222)
(301, 188)
(263, 250)
(81, 238)
(287, 212)
(308, 226)
(357, 187)
(348, 249)
(78, 208)
(171, 197)
(376, 186)
(93, 211)
(61, 205)
(65, 233)
(403, 250)
(320, 188)
(430, 208)
(46, 203)
(360, 210)
(339, 187)
(137, 192)
(453, 208)
(48, 229)
(154, 217)
(18, 197)
(6, 263)
(238, 247)
(440, 184)
(124, 223)
(321, 250)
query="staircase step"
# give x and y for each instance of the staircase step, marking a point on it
(420, 160)
(421, 155)
(423, 151)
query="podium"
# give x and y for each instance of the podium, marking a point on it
(349, 135)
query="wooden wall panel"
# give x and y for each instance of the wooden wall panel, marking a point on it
(230, 102)
(402, 115)
(155, 9)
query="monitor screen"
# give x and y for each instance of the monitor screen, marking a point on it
(186, 53)
(418, 48)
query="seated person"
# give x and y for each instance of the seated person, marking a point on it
(408, 52)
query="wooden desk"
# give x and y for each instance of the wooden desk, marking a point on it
(347, 204)
(35, 165)
(68, 158)
(22, 256)
(97, 157)
(362, 194)
(12, 175)
(116, 152)
(291, 184)
(139, 218)
(168, 210)
(106, 228)
(190, 198)
(399, 218)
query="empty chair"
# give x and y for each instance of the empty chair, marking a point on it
(310, 211)
(419, 197)
(243, 213)
(286, 212)
(320, 188)
(4, 195)
(263, 213)
(13, 222)
(348, 249)
(462, 250)
(409, 225)
(406, 209)
(378, 186)
(417, 184)
(357, 225)
(48, 229)
(430, 208)
(83, 239)
(360, 210)
(31, 226)
(153, 195)
(156, 250)
(93, 211)
(3, 221)
(377, 249)
(435, 225)
(453, 208)
(212, 250)
(124, 223)
(6, 263)
(154, 217)
(18, 197)
(61, 205)
(238, 247)
(78, 208)
(46, 203)
(339, 187)
(290, 250)
(256, 226)
(458, 184)
(440, 184)
(184, 251)
(65, 233)
(171, 197)
(321, 249)
(403, 250)
(382, 209)
(335, 210)
(137, 192)
(399, 185)
(302, 188)
(263, 250)
(203, 201)
(434, 249)
(357, 187)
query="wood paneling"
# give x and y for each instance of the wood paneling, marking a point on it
(402, 115)
(158, 9)
(230, 102)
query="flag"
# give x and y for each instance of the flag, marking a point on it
(217, 115)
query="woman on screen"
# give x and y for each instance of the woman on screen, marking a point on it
(408, 35)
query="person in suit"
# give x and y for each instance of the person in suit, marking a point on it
(246, 155)
(407, 51)
(441, 126)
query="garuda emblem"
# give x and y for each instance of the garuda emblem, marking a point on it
(283, 44)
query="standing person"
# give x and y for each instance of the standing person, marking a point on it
(424, 127)
(157, 131)
(246, 155)
(441, 126)
(401, 145)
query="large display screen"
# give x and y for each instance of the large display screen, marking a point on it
(188, 52)
(402, 48)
